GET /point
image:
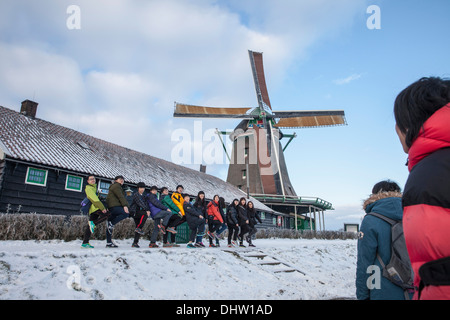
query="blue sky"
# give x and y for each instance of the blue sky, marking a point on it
(118, 76)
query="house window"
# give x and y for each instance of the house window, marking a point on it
(244, 174)
(36, 176)
(74, 183)
(103, 187)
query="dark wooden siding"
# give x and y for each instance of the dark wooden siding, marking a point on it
(51, 199)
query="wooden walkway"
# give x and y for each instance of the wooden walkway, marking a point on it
(260, 258)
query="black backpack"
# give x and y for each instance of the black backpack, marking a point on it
(398, 270)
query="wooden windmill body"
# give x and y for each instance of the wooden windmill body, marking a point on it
(257, 163)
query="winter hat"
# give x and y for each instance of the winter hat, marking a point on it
(141, 185)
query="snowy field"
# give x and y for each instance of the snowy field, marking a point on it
(317, 270)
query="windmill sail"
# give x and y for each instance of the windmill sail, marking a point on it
(262, 94)
(309, 119)
(190, 111)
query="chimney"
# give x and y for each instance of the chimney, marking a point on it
(202, 168)
(29, 108)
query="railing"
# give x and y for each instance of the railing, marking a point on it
(301, 200)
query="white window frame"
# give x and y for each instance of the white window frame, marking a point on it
(72, 189)
(35, 183)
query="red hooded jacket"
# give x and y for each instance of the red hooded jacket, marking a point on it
(213, 210)
(426, 199)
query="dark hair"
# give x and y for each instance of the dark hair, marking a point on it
(140, 185)
(240, 200)
(252, 208)
(164, 188)
(154, 188)
(222, 203)
(416, 103)
(198, 201)
(385, 186)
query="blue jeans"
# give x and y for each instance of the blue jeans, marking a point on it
(117, 215)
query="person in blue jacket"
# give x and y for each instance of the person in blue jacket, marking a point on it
(375, 236)
(160, 215)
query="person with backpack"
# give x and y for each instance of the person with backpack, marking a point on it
(141, 211)
(374, 244)
(422, 116)
(97, 211)
(232, 223)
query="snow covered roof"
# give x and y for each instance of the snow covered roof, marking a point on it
(42, 142)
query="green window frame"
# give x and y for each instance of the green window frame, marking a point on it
(74, 183)
(36, 176)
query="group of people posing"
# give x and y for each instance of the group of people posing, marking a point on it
(168, 212)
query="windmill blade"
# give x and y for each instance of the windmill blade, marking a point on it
(262, 94)
(310, 119)
(190, 111)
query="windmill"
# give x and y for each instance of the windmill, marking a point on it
(257, 158)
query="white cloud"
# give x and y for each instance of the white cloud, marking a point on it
(122, 71)
(348, 79)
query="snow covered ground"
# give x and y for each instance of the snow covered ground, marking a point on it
(323, 269)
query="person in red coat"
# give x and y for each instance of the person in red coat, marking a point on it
(422, 115)
(215, 219)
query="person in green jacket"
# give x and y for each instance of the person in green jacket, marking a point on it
(175, 220)
(97, 211)
(118, 206)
